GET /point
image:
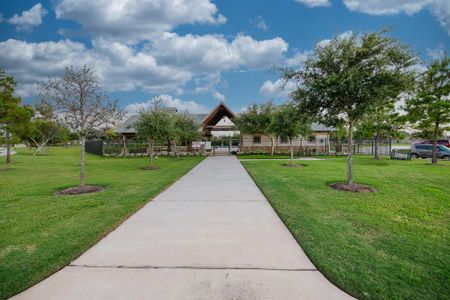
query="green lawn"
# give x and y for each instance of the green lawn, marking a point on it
(392, 244)
(41, 233)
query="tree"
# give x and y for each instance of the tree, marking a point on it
(430, 108)
(183, 129)
(45, 128)
(78, 98)
(153, 126)
(256, 120)
(342, 82)
(14, 118)
(383, 121)
(289, 123)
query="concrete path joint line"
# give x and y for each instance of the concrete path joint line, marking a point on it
(192, 268)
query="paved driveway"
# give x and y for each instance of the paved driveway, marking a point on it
(211, 235)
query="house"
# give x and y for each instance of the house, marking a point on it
(219, 121)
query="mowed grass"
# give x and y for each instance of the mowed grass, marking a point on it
(41, 233)
(392, 244)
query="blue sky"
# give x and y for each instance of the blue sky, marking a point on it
(195, 53)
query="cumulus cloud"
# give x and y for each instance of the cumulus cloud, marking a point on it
(315, 3)
(277, 89)
(134, 21)
(163, 66)
(439, 8)
(168, 101)
(211, 53)
(29, 18)
(118, 66)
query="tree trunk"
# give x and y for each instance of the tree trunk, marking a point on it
(8, 147)
(82, 161)
(272, 150)
(125, 148)
(292, 151)
(377, 157)
(434, 155)
(150, 145)
(350, 155)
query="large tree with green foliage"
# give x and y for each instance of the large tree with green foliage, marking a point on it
(429, 109)
(289, 123)
(80, 101)
(154, 126)
(344, 80)
(14, 118)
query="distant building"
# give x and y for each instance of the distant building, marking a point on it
(219, 121)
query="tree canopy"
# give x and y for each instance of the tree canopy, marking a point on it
(14, 117)
(344, 80)
(82, 104)
(429, 109)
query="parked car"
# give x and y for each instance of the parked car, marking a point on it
(446, 143)
(426, 151)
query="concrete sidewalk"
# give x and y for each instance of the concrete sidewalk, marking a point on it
(211, 235)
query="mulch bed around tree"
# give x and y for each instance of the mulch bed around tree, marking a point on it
(294, 165)
(149, 168)
(354, 188)
(78, 190)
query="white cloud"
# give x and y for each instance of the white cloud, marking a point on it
(315, 3)
(344, 35)
(277, 89)
(118, 66)
(260, 23)
(168, 101)
(137, 20)
(439, 8)
(29, 18)
(386, 7)
(218, 96)
(212, 53)
(298, 58)
(164, 66)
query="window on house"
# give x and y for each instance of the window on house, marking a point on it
(256, 139)
(284, 140)
(312, 139)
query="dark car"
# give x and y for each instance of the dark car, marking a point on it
(426, 151)
(446, 143)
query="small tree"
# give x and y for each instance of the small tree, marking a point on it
(184, 129)
(45, 128)
(153, 126)
(81, 103)
(344, 80)
(430, 108)
(289, 123)
(257, 119)
(14, 118)
(384, 121)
